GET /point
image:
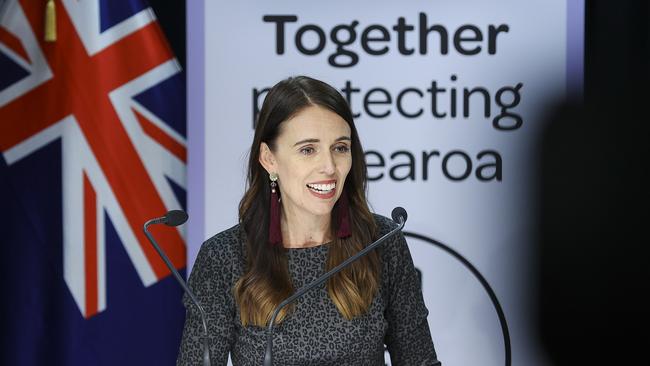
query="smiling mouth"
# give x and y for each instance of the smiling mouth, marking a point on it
(322, 188)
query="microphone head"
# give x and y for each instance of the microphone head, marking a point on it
(397, 213)
(175, 217)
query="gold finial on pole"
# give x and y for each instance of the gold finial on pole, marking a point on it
(50, 21)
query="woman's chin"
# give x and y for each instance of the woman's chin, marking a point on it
(321, 208)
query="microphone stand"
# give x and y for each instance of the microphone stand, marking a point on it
(179, 278)
(268, 357)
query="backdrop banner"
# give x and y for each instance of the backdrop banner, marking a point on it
(449, 100)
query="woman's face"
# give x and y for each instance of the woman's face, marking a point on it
(312, 158)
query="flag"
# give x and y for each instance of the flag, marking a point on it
(92, 144)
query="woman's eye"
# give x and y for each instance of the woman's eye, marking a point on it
(342, 148)
(307, 150)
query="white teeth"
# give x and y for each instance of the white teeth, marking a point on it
(322, 187)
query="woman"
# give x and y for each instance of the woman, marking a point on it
(303, 213)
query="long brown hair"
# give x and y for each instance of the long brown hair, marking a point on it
(266, 282)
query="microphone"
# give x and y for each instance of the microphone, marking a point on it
(398, 214)
(175, 218)
(171, 218)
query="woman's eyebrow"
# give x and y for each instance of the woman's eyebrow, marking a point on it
(306, 141)
(313, 140)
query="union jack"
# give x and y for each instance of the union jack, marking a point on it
(110, 91)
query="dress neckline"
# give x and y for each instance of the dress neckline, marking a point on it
(315, 247)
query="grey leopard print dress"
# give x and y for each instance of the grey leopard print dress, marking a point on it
(315, 333)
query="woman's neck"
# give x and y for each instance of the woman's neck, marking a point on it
(302, 231)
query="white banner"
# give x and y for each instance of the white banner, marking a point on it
(449, 98)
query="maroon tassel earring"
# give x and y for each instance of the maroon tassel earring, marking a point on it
(344, 217)
(275, 232)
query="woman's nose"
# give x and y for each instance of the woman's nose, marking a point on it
(328, 165)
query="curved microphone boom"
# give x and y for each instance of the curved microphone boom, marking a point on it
(175, 218)
(399, 216)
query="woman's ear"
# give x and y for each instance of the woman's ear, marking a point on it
(267, 159)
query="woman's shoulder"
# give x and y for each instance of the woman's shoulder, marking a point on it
(217, 263)
(395, 247)
(384, 224)
(230, 234)
(229, 241)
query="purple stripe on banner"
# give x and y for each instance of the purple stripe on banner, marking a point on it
(575, 49)
(196, 128)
